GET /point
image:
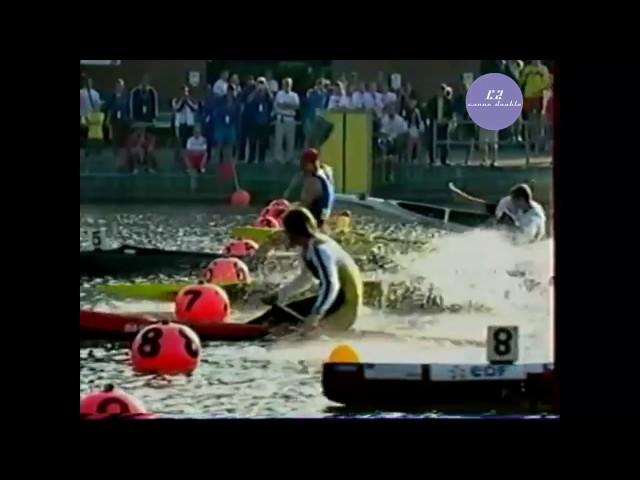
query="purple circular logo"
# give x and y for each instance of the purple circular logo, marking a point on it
(494, 101)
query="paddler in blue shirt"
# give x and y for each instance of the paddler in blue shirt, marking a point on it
(317, 196)
(318, 191)
(337, 303)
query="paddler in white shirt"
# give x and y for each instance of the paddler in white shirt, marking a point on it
(524, 213)
(338, 300)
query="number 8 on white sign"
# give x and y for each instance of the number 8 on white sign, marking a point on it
(502, 344)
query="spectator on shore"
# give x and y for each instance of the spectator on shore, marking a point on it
(244, 120)
(465, 128)
(234, 83)
(357, 98)
(339, 99)
(406, 93)
(89, 98)
(439, 113)
(222, 84)
(286, 105)
(94, 121)
(316, 101)
(491, 66)
(535, 79)
(184, 111)
(141, 151)
(195, 155)
(412, 116)
(272, 83)
(372, 99)
(225, 120)
(118, 115)
(144, 102)
(258, 108)
(389, 98)
(513, 70)
(211, 101)
(393, 133)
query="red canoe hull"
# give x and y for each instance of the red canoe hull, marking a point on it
(124, 326)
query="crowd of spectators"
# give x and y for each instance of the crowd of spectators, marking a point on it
(238, 120)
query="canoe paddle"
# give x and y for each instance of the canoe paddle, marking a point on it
(489, 207)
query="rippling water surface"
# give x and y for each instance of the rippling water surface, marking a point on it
(258, 379)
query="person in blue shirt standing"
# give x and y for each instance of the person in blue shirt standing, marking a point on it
(225, 121)
(208, 110)
(317, 99)
(118, 112)
(258, 117)
(244, 120)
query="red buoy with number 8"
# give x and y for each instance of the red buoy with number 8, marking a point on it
(202, 304)
(110, 401)
(166, 348)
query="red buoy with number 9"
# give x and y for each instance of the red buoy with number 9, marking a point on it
(110, 401)
(202, 304)
(223, 270)
(166, 348)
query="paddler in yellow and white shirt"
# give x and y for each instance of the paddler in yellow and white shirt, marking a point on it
(338, 301)
(526, 214)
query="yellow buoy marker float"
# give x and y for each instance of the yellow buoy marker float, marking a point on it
(343, 354)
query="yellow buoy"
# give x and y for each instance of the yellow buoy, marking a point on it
(343, 354)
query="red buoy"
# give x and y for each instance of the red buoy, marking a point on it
(110, 401)
(223, 270)
(240, 198)
(241, 248)
(281, 202)
(267, 222)
(166, 348)
(274, 211)
(202, 304)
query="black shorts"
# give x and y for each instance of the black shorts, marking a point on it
(277, 316)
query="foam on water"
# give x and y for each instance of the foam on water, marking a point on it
(465, 267)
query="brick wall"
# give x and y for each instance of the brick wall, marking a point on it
(166, 76)
(425, 75)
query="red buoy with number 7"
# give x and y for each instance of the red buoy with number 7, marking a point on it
(202, 304)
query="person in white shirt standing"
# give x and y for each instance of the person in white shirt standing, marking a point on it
(272, 83)
(358, 97)
(89, 98)
(519, 209)
(393, 131)
(195, 157)
(339, 98)
(389, 98)
(220, 87)
(184, 111)
(286, 105)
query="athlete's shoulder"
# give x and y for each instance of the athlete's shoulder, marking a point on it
(537, 208)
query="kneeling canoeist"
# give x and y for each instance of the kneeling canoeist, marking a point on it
(340, 292)
(317, 196)
(318, 191)
(526, 214)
